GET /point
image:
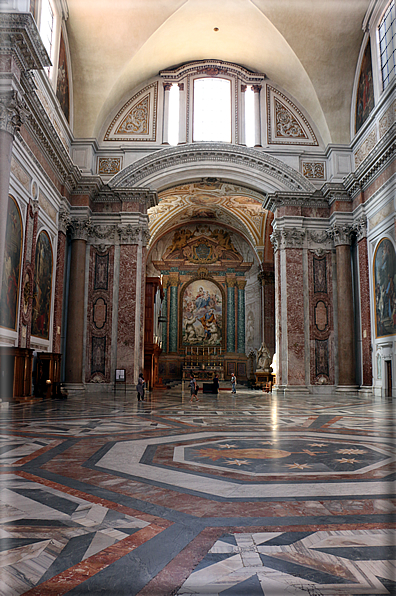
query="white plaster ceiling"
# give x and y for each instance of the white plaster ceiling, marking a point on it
(309, 47)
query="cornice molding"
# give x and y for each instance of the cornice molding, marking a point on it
(379, 158)
(294, 199)
(248, 158)
(20, 37)
(211, 68)
(335, 191)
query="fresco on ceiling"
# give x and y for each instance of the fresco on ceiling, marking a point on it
(385, 282)
(42, 287)
(202, 314)
(9, 299)
(365, 92)
(62, 84)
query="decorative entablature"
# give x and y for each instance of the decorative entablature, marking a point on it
(293, 199)
(103, 234)
(140, 196)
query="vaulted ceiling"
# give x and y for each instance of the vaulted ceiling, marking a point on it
(309, 47)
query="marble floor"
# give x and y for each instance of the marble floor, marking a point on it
(246, 495)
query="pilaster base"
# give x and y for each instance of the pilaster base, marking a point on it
(74, 387)
(366, 390)
(286, 390)
(347, 389)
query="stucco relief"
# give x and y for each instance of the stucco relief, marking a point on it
(137, 119)
(285, 121)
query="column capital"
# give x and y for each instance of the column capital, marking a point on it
(13, 112)
(129, 234)
(181, 86)
(167, 86)
(256, 88)
(64, 221)
(231, 282)
(241, 283)
(80, 228)
(243, 88)
(174, 279)
(360, 228)
(341, 234)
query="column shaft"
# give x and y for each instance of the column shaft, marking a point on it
(165, 325)
(6, 141)
(346, 356)
(241, 321)
(241, 115)
(257, 115)
(173, 319)
(231, 319)
(165, 127)
(75, 322)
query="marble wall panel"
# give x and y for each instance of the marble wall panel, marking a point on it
(321, 318)
(99, 316)
(295, 321)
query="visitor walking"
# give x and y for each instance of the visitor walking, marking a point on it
(140, 387)
(233, 383)
(193, 388)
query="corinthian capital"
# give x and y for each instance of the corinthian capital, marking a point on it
(64, 221)
(341, 234)
(360, 228)
(13, 112)
(80, 228)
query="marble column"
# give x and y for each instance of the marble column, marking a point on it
(174, 284)
(241, 115)
(231, 315)
(341, 235)
(257, 115)
(164, 311)
(267, 281)
(12, 114)
(165, 124)
(241, 283)
(182, 114)
(75, 320)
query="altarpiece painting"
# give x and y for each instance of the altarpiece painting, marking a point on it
(385, 281)
(42, 287)
(12, 268)
(202, 316)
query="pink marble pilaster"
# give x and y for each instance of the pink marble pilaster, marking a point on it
(58, 300)
(367, 372)
(127, 310)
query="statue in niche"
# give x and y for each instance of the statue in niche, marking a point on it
(263, 358)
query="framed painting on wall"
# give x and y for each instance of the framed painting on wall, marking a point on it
(9, 299)
(202, 314)
(42, 287)
(385, 281)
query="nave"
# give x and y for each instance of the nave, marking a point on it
(240, 495)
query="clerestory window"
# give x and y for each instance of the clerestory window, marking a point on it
(387, 44)
(47, 28)
(212, 110)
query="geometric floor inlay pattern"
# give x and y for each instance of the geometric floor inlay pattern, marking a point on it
(235, 495)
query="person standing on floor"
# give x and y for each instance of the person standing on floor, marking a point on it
(193, 388)
(233, 383)
(140, 387)
(216, 384)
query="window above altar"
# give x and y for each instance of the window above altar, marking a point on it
(212, 110)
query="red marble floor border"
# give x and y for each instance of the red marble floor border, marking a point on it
(332, 421)
(64, 582)
(97, 500)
